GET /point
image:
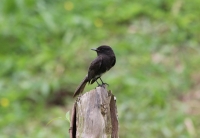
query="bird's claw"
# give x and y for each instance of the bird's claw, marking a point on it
(100, 85)
(104, 84)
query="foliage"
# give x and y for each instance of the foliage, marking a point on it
(45, 53)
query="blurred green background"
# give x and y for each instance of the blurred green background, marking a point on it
(45, 53)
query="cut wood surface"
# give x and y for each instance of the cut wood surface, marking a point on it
(94, 115)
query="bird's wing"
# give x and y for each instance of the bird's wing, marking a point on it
(94, 67)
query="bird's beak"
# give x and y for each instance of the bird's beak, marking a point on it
(94, 49)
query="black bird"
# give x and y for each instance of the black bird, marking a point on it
(104, 61)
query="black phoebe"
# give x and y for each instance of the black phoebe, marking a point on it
(104, 61)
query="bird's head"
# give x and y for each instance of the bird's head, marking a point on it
(104, 49)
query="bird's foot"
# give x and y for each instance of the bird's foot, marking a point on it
(104, 84)
(99, 85)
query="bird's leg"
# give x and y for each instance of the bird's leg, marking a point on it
(98, 83)
(103, 82)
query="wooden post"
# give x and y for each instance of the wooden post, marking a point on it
(94, 115)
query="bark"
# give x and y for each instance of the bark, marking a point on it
(94, 115)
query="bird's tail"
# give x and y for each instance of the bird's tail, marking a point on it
(81, 87)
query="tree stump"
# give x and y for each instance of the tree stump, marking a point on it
(94, 115)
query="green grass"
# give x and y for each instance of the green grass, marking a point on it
(45, 52)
